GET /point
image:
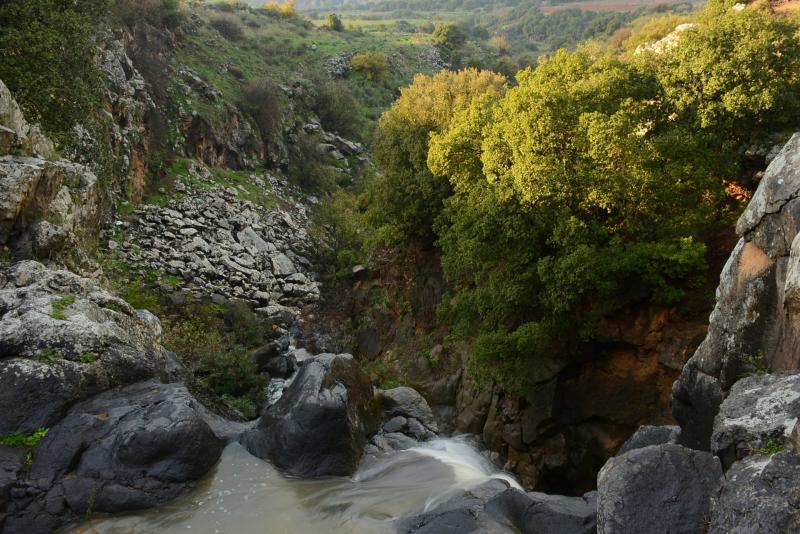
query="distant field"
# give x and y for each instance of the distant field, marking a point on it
(604, 5)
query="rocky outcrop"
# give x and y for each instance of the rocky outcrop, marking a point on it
(753, 327)
(648, 435)
(123, 450)
(759, 494)
(63, 338)
(220, 244)
(319, 425)
(408, 421)
(494, 507)
(759, 410)
(660, 488)
(16, 134)
(48, 208)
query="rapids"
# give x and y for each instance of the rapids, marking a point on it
(246, 495)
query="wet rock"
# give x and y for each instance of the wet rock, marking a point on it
(318, 427)
(556, 514)
(12, 462)
(759, 494)
(660, 488)
(651, 435)
(395, 424)
(409, 403)
(125, 449)
(758, 409)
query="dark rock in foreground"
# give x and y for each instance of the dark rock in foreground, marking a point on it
(125, 449)
(495, 507)
(660, 488)
(759, 494)
(318, 427)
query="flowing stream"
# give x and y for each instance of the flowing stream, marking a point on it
(246, 495)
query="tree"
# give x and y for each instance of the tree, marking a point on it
(408, 196)
(374, 65)
(449, 36)
(334, 22)
(48, 52)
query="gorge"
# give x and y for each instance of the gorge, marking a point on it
(283, 276)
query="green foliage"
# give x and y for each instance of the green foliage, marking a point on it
(60, 306)
(159, 13)
(49, 356)
(229, 26)
(773, 446)
(334, 22)
(338, 109)
(582, 189)
(735, 74)
(26, 441)
(449, 36)
(48, 59)
(217, 344)
(374, 65)
(407, 197)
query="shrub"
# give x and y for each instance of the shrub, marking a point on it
(261, 100)
(286, 10)
(334, 22)
(374, 65)
(449, 35)
(48, 59)
(229, 26)
(337, 108)
(159, 13)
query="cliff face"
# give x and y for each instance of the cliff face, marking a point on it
(754, 327)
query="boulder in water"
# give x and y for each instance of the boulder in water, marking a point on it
(660, 488)
(408, 403)
(319, 425)
(125, 449)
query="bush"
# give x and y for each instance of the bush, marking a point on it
(374, 65)
(230, 26)
(261, 100)
(337, 108)
(334, 22)
(159, 13)
(449, 35)
(48, 59)
(286, 10)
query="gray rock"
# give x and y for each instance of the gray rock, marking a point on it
(318, 427)
(126, 449)
(395, 424)
(556, 514)
(758, 409)
(409, 403)
(19, 134)
(660, 488)
(759, 494)
(647, 435)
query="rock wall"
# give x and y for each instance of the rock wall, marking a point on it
(754, 326)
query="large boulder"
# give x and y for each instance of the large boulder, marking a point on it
(758, 410)
(754, 326)
(12, 462)
(495, 507)
(64, 338)
(647, 435)
(318, 427)
(407, 402)
(759, 494)
(125, 449)
(660, 488)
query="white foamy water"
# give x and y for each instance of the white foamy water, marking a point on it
(245, 495)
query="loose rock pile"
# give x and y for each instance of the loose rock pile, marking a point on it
(222, 245)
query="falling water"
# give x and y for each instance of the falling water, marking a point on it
(248, 496)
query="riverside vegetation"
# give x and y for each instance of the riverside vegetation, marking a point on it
(365, 232)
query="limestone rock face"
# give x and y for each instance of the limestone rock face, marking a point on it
(16, 133)
(754, 326)
(757, 411)
(660, 488)
(47, 206)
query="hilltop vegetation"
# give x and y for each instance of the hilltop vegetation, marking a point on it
(588, 185)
